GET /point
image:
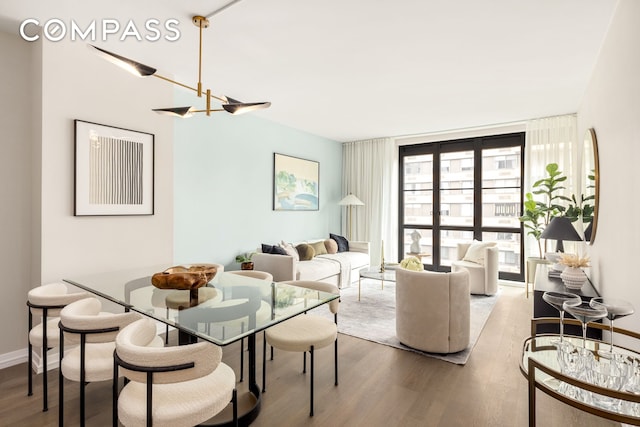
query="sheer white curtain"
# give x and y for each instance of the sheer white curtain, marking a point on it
(551, 140)
(370, 171)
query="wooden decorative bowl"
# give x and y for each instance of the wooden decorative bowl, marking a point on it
(184, 278)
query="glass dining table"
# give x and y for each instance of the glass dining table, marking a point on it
(229, 308)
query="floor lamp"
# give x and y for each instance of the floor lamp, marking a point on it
(350, 201)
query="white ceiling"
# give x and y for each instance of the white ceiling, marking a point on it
(357, 69)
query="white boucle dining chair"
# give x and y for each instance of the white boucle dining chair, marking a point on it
(171, 386)
(178, 300)
(263, 312)
(255, 274)
(305, 333)
(45, 302)
(83, 323)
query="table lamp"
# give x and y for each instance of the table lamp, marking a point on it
(350, 201)
(588, 231)
(559, 229)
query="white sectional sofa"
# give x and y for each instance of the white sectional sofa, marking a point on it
(340, 268)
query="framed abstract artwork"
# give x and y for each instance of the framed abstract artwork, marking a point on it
(113, 170)
(295, 183)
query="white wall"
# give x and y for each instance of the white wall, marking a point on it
(44, 88)
(611, 106)
(224, 185)
(223, 195)
(16, 119)
(78, 84)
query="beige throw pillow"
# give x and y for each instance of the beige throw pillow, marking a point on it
(331, 246)
(475, 253)
(318, 248)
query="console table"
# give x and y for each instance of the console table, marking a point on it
(544, 283)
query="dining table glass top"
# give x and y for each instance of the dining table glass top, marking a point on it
(228, 308)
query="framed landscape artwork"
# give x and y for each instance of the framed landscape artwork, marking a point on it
(113, 170)
(295, 183)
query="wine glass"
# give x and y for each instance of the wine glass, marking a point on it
(585, 314)
(557, 299)
(616, 308)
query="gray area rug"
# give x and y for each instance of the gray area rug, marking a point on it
(373, 318)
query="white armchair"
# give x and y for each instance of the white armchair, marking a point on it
(480, 259)
(433, 310)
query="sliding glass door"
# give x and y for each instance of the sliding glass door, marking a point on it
(457, 191)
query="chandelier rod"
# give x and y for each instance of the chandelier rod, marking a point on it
(187, 87)
(200, 22)
(225, 7)
(230, 105)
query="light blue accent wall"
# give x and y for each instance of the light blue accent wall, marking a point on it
(223, 177)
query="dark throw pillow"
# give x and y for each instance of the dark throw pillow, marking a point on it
(305, 251)
(343, 243)
(273, 249)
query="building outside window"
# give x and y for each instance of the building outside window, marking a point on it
(455, 191)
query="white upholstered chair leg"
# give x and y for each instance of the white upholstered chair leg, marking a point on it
(305, 333)
(83, 323)
(46, 301)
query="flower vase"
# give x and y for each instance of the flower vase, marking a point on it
(573, 277)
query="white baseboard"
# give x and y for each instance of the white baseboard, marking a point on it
(511, 283)
(20, 356)
(13, 358)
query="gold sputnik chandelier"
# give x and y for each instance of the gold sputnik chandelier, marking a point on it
(228, 104)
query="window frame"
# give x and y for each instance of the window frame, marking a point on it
(436, 149)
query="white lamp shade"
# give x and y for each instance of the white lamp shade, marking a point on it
(351, 200)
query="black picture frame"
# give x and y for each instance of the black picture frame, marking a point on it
(113, 170)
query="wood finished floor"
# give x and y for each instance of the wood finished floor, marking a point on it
(379, 386)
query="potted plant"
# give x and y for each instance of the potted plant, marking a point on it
(583, 209)
(245, 261)
(537, 214)
(533, 219)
